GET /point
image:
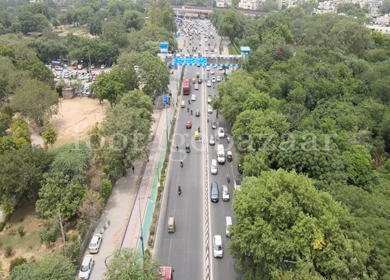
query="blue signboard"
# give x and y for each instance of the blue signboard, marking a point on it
(165, 99)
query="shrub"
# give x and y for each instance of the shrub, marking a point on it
(106, 189)
(72, 252)
(82, 228)
(12, 232)
(8, 250)
(75, 238)
(21, 231)
(15, 262)
(2, 225)
(49, 233)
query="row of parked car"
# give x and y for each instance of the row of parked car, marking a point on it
(88, 261)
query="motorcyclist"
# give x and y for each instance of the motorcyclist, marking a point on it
(191, 112)
(228, 139)
(177, 147)
(198, 128)
(207, 119)
(189, 101)
(228, 178)
(213, 85)
(181, 163)
(179, 190)
(188, 109)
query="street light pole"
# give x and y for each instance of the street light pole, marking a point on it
(140, 220)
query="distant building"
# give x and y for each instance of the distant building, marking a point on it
(250, 4)
(223, 3)
(325, 7)
(379, 28)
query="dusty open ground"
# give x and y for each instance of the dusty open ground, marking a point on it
(63, 30)
(76, 117)
(27, 246)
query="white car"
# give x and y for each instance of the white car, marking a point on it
(102, 66)
(193, 97)
(209, 83)
(96, 241)
(210, 110)
(213, 79)
(221, 132)
(58, 68)
(212, 72)
(225, 193)
(208, 68)
(220, 68)
(209, 99)
(218, 78)
(217, 245)
(214, 167)
(86, 267)
(206, 38)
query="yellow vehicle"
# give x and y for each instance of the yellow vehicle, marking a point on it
(183, 104)
(197, 74)
(200, 43)
(196, 134)
(171, 224)
(229, 156)
(190, 43)
(193, 80)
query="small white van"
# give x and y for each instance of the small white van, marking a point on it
(228, 223)
(221, 154)
(214, 167)
(218, 248)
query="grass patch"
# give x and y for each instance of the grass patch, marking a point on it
(233, 50)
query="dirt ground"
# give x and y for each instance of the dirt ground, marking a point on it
(76, 117)
(63, 30)
(27, 246)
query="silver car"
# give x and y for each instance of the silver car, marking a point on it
(209, 99)
(212, 140)
(96, 241)
(209, 83)
(225, 193)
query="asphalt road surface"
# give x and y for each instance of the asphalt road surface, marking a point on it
(184, 249)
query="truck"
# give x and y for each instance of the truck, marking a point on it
(80, 66)
(165, 273)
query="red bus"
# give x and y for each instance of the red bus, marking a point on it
(165, 273)
(186, 86)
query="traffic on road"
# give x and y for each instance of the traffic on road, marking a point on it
(198, 123)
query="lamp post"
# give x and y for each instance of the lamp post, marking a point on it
(140, 220)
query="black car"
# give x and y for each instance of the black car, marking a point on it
(214, 194)
(197, 113)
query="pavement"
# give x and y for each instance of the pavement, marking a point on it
(117, 211)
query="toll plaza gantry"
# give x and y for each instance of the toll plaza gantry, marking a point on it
(200, 60)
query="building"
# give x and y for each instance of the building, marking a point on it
(325, 7)
(379, 28)
(223, 3)
(68, 93)
(250, 4)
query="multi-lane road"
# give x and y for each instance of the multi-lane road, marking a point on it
(184, 250)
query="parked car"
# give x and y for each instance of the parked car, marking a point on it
(96, 241)
(102, 66)
(86, 267)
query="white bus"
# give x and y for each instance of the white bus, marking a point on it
(221, 154)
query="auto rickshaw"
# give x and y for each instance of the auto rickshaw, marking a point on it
(193, 80)
(214, 125)
(239, 167)
(188, 148)
(171, 224)
(196, 134)
(183, 104)
(197, 74)
(229, 156)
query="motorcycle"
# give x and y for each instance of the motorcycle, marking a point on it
(191, 112)
(228, 178)
(181, 164)
(188, 109)
(179, 190)
(189, 102)
(198, 128)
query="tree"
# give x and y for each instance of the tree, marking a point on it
(7, 205)
(127, 264)
(84, 14)
(229, 26)
(133, 20)
(21, 172)
(72, 160)
(359, 166)
(92, 207)
(350, 36)
(5, 122)
(54, 265)
(95, 25)
(281, 217)
(160, 13)
(36, 101)
(49, 136)
(114, 32)
(59, 192)
(20, 132)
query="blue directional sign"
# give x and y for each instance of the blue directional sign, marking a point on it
(165, 98)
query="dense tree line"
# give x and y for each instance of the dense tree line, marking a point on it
(310, 115)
